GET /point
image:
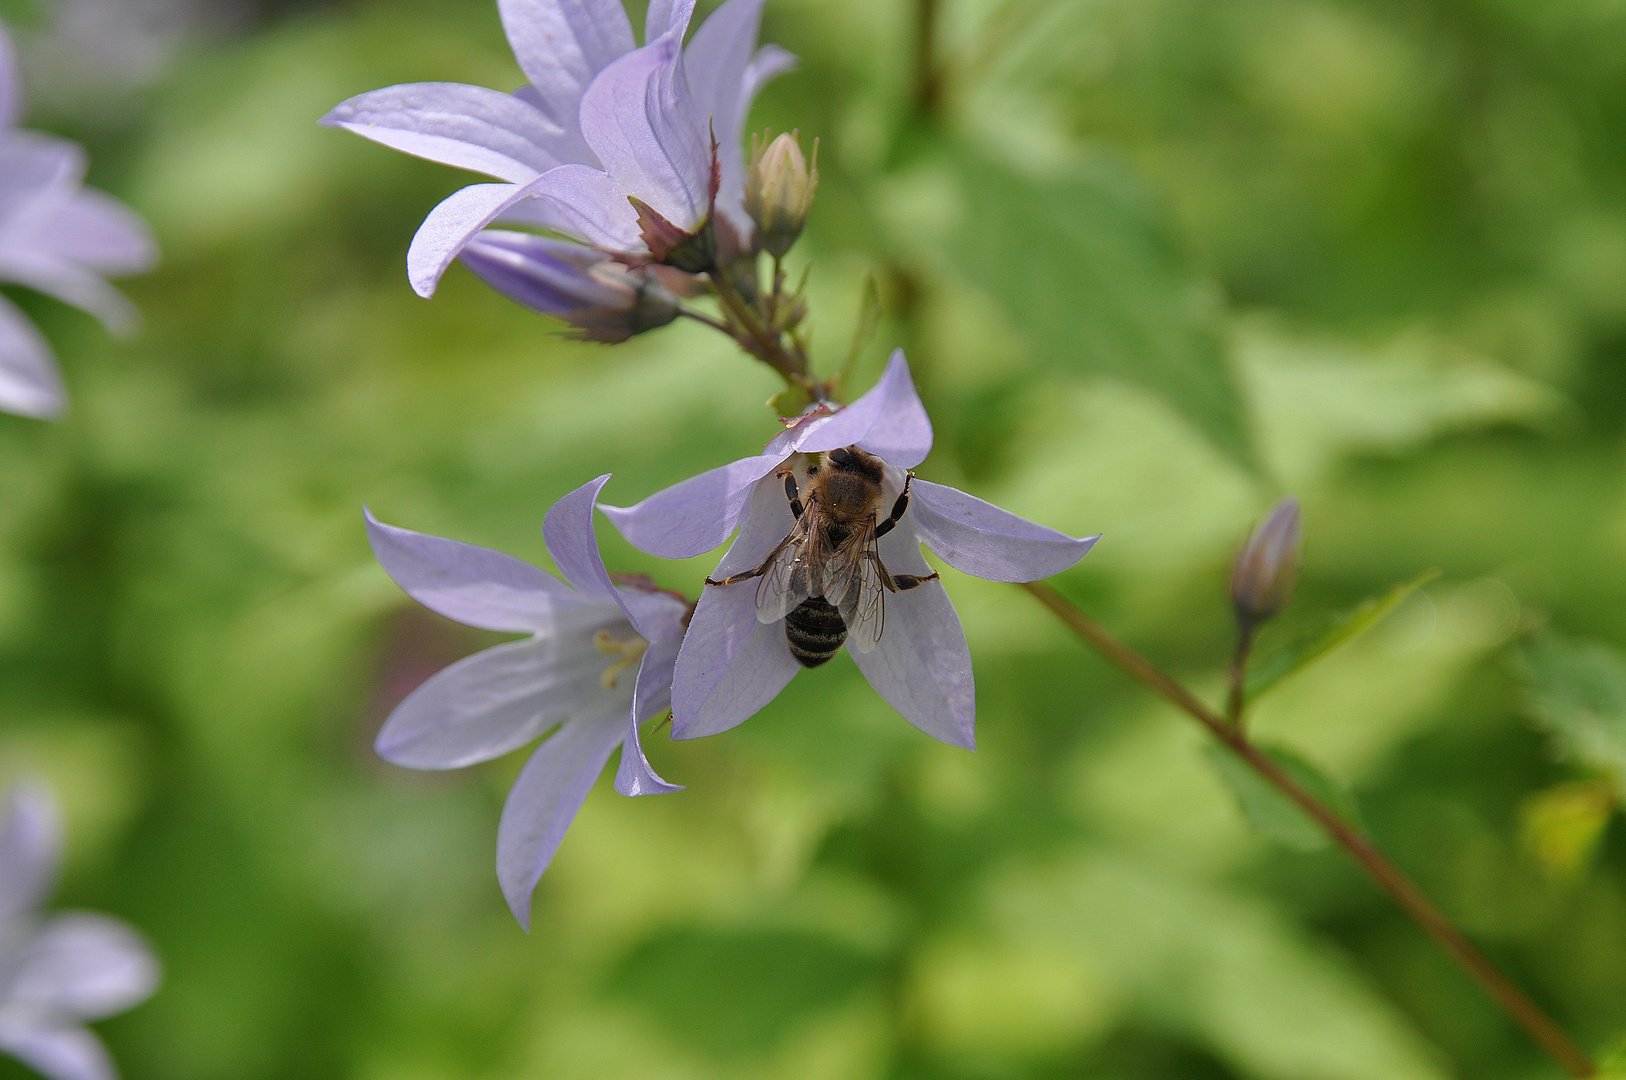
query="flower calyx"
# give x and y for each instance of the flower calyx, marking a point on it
(779, 189)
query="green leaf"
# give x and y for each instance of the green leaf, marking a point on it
(1561, 826)
(1084, 268)
(1577, 692)
(1330, 634)
(1270, 812)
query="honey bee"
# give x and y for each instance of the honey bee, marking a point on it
(826, 578)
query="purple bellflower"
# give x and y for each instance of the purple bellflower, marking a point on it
(56, 972)
(736, 656)
(597, 664)
(58, 237)
(603, 299)
(601, 122)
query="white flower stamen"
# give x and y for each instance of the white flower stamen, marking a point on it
(627, 652)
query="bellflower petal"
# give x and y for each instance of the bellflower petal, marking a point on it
(29, 384)
(889, 421)
(980, 539)
(693, 517)
(451, 224)
(922, 665)
(568, 530)
(99, 232)
(30, 846)
(474, 585)
(717, 61)
(86, 966)
(496, 701)
(640, 119)
(544, 801)
(69, 283)
(589, 204)
(55, 1049)
(730, 664)
(634, 776)
(562, 44)
(469, 127)
(663, 15)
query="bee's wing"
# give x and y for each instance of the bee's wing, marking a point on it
(856, 585)
(785, 580)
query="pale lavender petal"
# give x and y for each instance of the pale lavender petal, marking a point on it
(99, 232)
(888, 421)
(663, 15)
(30, 846)
(454, 222)
(980, 539)
(35, 171)
(768, 64)
(716, 62)
(562, 44)
(470, 127)
(730, 664)
(494, 702)
(544, 274)
(474, 585)
(568, 530)
(922, 665)
(29, 383)
(86, 966)
(640, 120)
(586, 203)
(634, 776)
(55, 1050)
(549, 791)
(11, 86)
(69, 283)
(694, 516)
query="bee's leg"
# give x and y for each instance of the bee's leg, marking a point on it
(905, 582)
(793, 493)
(735, 579)
(897, 510)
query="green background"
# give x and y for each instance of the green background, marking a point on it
(1155, 262)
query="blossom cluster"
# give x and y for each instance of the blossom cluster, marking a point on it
(59, 237)
(624, 189)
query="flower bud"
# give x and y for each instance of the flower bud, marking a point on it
(603, 299)
(1262, 580)
(779, 187)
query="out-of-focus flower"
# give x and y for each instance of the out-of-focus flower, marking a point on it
(603, 299)
(779, 190)
(1267, 569)
(60, 238)
(736, 656)
(58, 971)
(600, 122)
(598, 663)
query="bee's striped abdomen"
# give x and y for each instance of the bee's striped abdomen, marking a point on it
(815, 631)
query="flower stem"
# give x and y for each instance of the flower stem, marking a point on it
(1541, 1027)
(763, 341)
(1236, 699)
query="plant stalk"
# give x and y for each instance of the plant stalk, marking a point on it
(1526, 1013)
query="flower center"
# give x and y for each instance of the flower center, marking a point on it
(627, 653)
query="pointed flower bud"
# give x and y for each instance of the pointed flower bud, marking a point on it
(779, 187)
(603, 299)
(1266, 571)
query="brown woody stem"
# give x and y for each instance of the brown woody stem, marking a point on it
(1526, 1013)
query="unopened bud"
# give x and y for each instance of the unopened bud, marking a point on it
(779, 187)
(1262, 580)
(603, 299)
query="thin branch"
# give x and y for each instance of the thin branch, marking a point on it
(702, 317)
(1541, 1027)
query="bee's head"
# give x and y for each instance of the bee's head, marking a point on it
(850, 459)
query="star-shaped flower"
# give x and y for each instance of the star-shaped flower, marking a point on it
(737, 654)
(597, 663)
(59, 237)
(600, 121)
(58, 971)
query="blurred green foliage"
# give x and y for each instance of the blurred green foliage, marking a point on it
(1154, 261)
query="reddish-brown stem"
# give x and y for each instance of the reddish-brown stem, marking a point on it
(1541, 1027)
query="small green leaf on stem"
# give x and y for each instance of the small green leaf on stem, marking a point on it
(1577, 693)
(1270, 812)
(1331, 634)
(869, 318)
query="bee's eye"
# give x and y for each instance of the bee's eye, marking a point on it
(841, 457)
